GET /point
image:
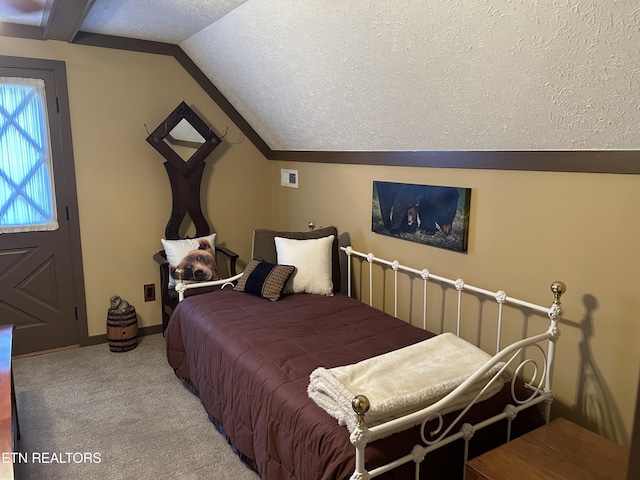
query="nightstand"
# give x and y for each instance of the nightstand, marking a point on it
(560, 450)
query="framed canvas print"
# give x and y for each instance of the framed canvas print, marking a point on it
(428, 214)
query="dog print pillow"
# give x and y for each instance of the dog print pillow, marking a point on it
(195, 256)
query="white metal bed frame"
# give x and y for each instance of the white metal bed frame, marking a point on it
(541, 389)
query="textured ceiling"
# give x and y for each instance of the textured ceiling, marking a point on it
(402, 75)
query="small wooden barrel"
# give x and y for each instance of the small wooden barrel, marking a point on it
(122, 330)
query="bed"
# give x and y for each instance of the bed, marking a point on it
(253, 362)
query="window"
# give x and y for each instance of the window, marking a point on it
(27, 197)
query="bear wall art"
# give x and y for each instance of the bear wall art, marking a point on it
(428, 214)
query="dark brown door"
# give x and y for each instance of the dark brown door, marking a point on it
(41, 287)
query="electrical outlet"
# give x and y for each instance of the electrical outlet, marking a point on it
(150, 292)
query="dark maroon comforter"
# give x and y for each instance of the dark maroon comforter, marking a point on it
(249, 360)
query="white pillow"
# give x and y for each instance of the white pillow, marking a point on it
(312, 259)
(176, 250)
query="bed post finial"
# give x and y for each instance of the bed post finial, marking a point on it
(360, 405)
(311, 225)
(179, 273)
(558, 288)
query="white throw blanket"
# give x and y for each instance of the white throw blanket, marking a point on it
(403, 381)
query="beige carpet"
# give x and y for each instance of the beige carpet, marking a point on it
(89, 413)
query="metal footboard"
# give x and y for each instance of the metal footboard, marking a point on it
(537, 378)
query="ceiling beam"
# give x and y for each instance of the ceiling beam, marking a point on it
(65, 19)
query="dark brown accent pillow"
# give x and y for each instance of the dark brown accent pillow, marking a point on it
(264, 279)
(264, 247)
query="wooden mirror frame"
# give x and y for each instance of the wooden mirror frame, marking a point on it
(185, 176)
(157, 139)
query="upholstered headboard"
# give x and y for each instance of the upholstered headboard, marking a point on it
(264, 247)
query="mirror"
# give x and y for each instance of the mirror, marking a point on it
(183, 139)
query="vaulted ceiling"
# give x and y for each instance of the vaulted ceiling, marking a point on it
(388, 76)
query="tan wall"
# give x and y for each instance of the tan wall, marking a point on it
(526, 230)
(124, 195)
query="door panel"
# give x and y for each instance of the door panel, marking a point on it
(35, 294)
